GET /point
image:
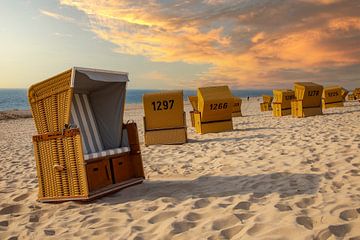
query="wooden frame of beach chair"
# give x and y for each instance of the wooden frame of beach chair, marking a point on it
(332, 97)
(308, 100)
(215, 107)
(165, 119)
(282, 102)
(236, 112)
(266, 104)
(194, 103)
(83, 150)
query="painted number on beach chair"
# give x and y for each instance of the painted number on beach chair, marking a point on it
(163, 105)
(313, 93)
(218, 106)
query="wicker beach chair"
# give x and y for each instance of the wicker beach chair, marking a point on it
(237, 107)
(308, 100)
(194, 103)
(164, 120)
(282, 102)
(83, 150)
(332, 97)
(266, 104)
(215, 107)
(344, 93)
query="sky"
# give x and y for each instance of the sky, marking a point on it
(184, 44)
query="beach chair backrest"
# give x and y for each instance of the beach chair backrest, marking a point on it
(332, 94)
(284, 96)
(309, 93)
(164, 110)
(83, 117)
(267, 99)
(215, 103)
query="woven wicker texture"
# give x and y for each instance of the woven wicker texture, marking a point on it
(60, 166)
(50, 103)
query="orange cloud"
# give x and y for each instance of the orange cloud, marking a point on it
(252, 43)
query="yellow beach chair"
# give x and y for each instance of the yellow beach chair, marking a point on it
(356, 93)
(215, 107)
(308, 100)
(332, 97)
(237, 107)
(194, 103)
(282, 102)
(164, 120)
(266, 104)
(83, 150)
(344, 93)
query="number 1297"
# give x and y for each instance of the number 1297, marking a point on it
(163, 105)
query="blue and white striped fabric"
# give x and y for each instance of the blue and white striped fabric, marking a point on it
(83, 117)
(106, 153)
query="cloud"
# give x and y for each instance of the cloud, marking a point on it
(247, 43)
(56, 16)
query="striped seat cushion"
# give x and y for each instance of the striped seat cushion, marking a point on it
(83, 116)
(106, 153)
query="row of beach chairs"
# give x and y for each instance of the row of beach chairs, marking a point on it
(84, 150)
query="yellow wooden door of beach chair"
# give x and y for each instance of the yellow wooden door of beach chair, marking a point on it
(332, 97)
(282, 102)
(215, 107)
(164, 120)
(308, 99)
(83, 145)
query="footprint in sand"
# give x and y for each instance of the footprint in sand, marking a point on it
(192, 217)
(243, 205)
(282, 207)
(323, 234)
(305, 202)
(10, 209)
(161, 217)
(4, 223)
(340, 230)
(244, 216)
(231, 232)
(305, 221)
(257, 227)
(180, 227)
(201, 203)
(226, 222)
(349, 215)
(21, 197)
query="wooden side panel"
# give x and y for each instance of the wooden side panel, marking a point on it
(99, 174)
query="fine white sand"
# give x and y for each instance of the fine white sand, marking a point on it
(271, 178)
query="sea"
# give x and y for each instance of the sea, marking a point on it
(11, 99)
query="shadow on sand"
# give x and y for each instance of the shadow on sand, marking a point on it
(285, 184)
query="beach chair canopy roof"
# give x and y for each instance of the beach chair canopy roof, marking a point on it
(98, 104)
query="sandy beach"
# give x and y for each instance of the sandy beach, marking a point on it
(270, 178)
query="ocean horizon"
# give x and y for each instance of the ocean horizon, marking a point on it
(11, 99)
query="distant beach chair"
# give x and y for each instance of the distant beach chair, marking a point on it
(215, 107)
(194, 103)
(332, 97)
(266, 104)
(237, 107)
(282, 102)
(83, 150)
(356, 93)
(344, 93)
(164, 120)
(308, 100)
